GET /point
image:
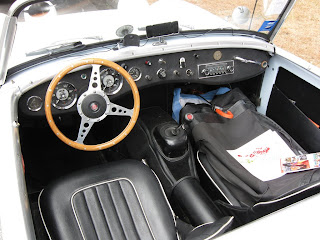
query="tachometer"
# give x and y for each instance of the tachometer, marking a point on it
(135, 73)
(64, 95)
(111, 81)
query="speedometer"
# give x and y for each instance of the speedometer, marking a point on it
(111, 81)
(64, 95)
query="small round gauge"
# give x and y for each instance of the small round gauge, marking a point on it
(135, 73)
(217, 55)
(34, 103)
(64, 95)
(111, 81)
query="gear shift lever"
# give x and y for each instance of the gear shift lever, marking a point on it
(172, 139)
(175, 131)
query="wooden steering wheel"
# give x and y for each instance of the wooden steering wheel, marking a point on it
(94, 105)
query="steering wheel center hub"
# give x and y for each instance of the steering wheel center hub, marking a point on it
(94, 106)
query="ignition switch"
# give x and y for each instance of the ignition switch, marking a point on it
(161, 73)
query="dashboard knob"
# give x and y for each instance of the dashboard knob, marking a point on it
(230, 69)
(162, 73)
(161, 61)
(148, 77)
(148, 63)
(123, 65)
(189, 72)
(205, 72)
(182, 62)
(176, 72)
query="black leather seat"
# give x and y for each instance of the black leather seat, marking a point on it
(120, 200)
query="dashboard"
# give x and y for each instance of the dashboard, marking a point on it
(211, 66)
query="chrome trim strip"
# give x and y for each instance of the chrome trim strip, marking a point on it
(18, 5)
(281, 20)
(6, 42)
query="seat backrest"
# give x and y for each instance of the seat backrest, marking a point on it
(120, 200)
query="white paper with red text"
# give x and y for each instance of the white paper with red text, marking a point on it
(261, 156)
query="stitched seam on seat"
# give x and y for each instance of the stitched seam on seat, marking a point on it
(165, 197)
(220, 229)
(114, 206)
(286, 197)
(104, 214)
(201, 225)
(168, 204)
(101, 183)
(44, 223)
(126, 202)
(90, 215)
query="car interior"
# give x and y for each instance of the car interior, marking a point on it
(171, 177)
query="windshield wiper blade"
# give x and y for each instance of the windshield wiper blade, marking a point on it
(57, 48)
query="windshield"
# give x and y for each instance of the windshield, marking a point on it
(55, 22)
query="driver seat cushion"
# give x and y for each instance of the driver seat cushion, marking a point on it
(120, 200)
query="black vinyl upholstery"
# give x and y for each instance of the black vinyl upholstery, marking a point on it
(121, 200)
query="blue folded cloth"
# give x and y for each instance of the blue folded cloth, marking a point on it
(180, 99)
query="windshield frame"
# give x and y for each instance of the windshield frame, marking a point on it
(49, 57)
(19, 5)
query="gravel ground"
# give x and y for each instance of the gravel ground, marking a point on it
(300, 33)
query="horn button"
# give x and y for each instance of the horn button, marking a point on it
(94, 106)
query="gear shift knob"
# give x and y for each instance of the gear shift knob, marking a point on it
(172, 139)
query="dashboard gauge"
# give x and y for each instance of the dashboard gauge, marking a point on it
(64, 95)
(135, 73)
(34, 103)
(111, 81)
(217, 55)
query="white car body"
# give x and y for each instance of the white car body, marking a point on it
(15, 216)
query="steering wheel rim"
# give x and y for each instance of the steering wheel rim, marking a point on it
(112, 142)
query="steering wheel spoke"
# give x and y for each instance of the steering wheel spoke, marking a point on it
(84, 129)
(95, 80)
(94, 105)
(118, 110)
